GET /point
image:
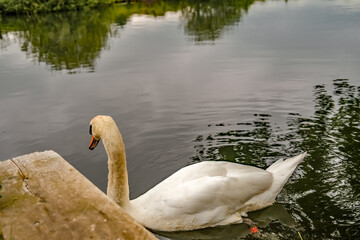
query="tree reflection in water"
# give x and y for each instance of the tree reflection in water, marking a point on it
(207, 20)
(74, 40)
(325, 196)
(68, 40)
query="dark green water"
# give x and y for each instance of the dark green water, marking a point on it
(189, 81)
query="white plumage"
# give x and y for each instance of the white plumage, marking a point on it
(201, 195)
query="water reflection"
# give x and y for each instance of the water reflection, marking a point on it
(275, 213)
(67, 40)
(207, 20)
(246, 145)
(325, 197)
(74, 40)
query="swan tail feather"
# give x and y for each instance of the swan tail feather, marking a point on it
(282, 170)
(287, 165)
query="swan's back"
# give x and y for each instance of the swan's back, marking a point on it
(200, 195)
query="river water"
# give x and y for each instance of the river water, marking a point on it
(189, 81)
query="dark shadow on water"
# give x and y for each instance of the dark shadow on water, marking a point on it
(324, 194)
(275, 214)
(254, 140)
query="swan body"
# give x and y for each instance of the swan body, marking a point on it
(201, 195)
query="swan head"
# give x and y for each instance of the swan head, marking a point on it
(99, 127)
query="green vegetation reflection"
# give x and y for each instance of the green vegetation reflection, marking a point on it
(34, 6)
(207, 20)
(67, 40)
(73, 40)
(325, 196)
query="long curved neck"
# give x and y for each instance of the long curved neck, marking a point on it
(118, 186)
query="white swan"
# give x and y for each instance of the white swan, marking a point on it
(201, 195)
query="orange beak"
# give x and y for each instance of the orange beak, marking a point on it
(93, 143)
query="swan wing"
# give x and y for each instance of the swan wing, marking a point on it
(232, 186)
(203, 194)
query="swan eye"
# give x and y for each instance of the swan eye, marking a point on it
(90, 130)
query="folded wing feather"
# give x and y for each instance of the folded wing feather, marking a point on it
(207, 193)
